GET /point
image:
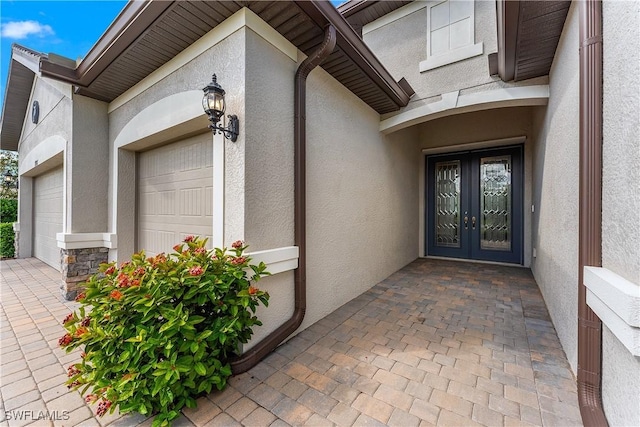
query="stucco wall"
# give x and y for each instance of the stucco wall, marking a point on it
(621, 195)
(362, 187)
(268, 145)
(268, 173)
(42, 146)
(475, 127)
(621, 133)
(555, 190)
(620, 382)
(54, 99)
(362, 197)
(88, 168)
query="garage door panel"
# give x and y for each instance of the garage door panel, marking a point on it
(175, 193)
(47, 216)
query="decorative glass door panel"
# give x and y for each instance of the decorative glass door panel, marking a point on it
(495, 203)
(448, 204)
(474, 205)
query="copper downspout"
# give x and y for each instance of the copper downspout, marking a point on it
(590, 217)
(269, 343)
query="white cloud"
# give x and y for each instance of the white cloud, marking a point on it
(23, 29)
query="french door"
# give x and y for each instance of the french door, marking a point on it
(474, 205)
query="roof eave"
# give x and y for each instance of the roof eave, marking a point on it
(17, 91)
(323, 13)
(138, 15)
(354, 6)
(130, 24)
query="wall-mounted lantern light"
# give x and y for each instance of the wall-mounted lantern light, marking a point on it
(213, 104)
(10, 180)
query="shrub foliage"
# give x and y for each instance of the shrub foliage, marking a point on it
(157, 332)
(7, 236)
(8, 210)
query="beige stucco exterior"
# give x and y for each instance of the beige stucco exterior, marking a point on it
(87, 172)
(621, 195)
(63, 119)
(362, 197)
(267, 177)
(361, 186)
(555, 191)
(42, 147)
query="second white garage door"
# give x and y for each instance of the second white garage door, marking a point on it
(175, 193)
(47, 216)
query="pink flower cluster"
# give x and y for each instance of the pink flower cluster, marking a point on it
(196, 271)
(238, 260)
(65, 340)
(103, 407)
(72, 370)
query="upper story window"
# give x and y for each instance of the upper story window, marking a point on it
(450, 33)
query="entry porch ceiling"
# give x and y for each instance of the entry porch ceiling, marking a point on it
(146, 35)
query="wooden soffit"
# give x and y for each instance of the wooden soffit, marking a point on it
(528, 35)
(148, 34)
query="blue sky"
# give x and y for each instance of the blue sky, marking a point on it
(67, 28)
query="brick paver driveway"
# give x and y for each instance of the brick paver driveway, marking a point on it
(436, 343)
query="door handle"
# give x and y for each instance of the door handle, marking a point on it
(466, 222)
(473, 222)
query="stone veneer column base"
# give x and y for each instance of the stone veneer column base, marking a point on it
(77, 266)
(16, 244)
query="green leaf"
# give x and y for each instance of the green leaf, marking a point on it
(226, 370)
(200, 368)
(204, 334)
(194, 320)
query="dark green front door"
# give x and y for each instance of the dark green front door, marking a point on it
(474, 205)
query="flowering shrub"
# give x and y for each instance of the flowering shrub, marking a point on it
(157, 332)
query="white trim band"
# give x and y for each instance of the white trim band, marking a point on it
(616, 301)
(453, 103)
(451, 56)
(86, 240)
(278, 260)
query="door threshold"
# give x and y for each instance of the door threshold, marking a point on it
(478, 261)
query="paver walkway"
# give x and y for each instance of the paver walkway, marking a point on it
(436, 343)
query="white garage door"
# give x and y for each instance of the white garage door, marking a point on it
(175, 193)
(47, 216)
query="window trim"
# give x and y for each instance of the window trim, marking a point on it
(464, 52)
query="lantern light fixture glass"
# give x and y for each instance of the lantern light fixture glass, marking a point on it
(214, 106)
